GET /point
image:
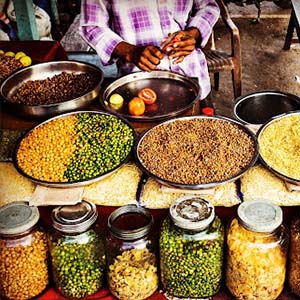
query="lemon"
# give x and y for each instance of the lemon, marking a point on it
(25, 61)
(1, 52)
(19, 55)
(116, 101)
(9, 53)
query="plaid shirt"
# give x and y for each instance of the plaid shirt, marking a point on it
(104, 24)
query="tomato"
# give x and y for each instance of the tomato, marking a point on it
(136, 106)
(147, 95)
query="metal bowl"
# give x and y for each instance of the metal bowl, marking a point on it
(258, 107)
(78, 183)
(198, 185)
(175, 94)
(263, 160)
(40, 72)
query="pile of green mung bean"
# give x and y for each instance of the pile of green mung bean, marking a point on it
(75, 148)
(78, 267)
(191, 265)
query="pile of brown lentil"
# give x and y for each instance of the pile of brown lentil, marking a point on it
(23, 267)
(59, 88)
(196, 151)
(8, 65)
(75, 147)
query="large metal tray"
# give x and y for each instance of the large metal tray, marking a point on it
(263, 161)
(40, 72)
(80, 182)
(175, 94)
(200, 185)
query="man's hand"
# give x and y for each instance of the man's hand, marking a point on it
(145, 57)
(182, 44)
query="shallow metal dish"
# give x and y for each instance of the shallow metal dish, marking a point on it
(40, 72)
(258, 107)
(263, 161)
(200, 185)
(175, 94)
(75, 183)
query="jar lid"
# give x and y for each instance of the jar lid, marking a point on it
(17, 218)
(192, 213)
(74, 218)
(260, 215)
(130, 222)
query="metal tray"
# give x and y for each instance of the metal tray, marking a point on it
(262, 160)
(75, 183)
(40, 72)
(175, 94)
(200, 185)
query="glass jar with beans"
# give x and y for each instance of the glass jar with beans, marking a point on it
(130, 251)
(77, 250)
(23, 252)
(257, 251)
(191, 249)
(294, 263)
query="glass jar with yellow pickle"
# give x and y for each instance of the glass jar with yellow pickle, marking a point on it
(257, 252)
(131, 253)
(294, 263)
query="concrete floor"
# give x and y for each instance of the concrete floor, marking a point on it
(265, 65)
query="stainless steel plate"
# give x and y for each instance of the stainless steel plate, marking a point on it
(198, 185)
(265, 161)
(78, 183)
(175, 94)
(40, 72)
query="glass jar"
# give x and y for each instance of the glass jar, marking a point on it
(257, 251)
(191, 249)
(130, 250)
(77, 250)
(294, 264)
(23, 252)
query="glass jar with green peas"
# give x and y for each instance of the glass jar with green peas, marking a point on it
(131, 253)
(191, 249)
(77, 250)
(23, 252)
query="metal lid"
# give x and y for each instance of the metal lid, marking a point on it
(260, 215)
(136, 222)
(74, 218)
(192, 213)
(17, 218)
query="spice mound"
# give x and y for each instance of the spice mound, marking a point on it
(59, 88)
(78, 264)
(133, 275)
(279, 145)
(8, 65)
(75, 147)
(196, 151)
(255, 264)
(23, 266)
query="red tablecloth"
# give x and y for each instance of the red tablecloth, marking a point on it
(39, 51)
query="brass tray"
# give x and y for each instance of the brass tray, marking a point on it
(175, 94)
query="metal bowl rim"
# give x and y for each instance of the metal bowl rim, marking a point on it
(204, 185)
(80, 182)
(259, 132)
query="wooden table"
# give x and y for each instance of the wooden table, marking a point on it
(293, 23)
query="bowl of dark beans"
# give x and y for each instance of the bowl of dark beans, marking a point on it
(51, 88)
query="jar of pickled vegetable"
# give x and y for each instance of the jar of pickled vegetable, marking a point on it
(294, 264)
(77, 250)
(257, 251)
(191, 249)
(23, 252)
(130, 250)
